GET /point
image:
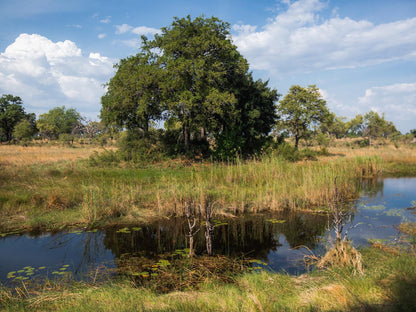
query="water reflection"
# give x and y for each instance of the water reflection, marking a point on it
(271, 238)
(254, 236)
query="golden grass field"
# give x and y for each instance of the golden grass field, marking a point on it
(21, 156)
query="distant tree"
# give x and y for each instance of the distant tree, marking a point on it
(57, 121)
(302, 109)
(355, 127)
(376, 126)
(334, 126)
(92, 129)
(413, 132)
(25, 129)
(11, 113)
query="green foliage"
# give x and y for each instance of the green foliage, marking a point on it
(302, 109)
(11, 113)
(57, 121)
(293, 154)
(192, 76)
(24, 130)
(375, 126)
(139, 147)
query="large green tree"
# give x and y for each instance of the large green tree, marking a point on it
(57, 121)
(133, 98)
(191, 75)
(301, 110)
(376, 126)
(11, 113)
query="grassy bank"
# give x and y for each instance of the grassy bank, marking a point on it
(49, 195)
(388, 284)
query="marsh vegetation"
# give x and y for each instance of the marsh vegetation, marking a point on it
(54, 194)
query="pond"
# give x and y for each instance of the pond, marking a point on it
(279, 241)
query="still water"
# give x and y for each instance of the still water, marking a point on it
(279, 240)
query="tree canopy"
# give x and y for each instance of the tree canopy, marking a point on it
(57, 121)
(192, 76)
(11, 113)
(301, 109)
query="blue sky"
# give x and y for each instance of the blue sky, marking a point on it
(360, 53)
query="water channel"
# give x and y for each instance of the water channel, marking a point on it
(280, 241)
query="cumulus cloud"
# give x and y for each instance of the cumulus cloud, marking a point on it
(397, 101)
(47, 74)
(106, 20)
(299, 40)
(122, 29)
(141, 30)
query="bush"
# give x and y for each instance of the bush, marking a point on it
(137, 147)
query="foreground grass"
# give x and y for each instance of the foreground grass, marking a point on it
(388, 284)
(51, 195)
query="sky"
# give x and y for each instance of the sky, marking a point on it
(361, 54)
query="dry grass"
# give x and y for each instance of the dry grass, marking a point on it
(343, 255)
(405, 153)
(23, 156)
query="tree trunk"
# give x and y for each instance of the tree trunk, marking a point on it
(208, 236)
(209, 229)
(202, 133)
(296, 141)
(191, 226)
(186, 135)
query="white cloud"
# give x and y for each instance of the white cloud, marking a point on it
(47, 74)
(397, 101)
(298, 40)
(102, 36)
(122, 29)
(141, 30)
(106, 20)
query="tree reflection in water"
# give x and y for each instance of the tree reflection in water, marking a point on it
(252, 236)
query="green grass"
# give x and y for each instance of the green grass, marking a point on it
(51, 196)
(388, 284)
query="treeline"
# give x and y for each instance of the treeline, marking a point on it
(190, 92)
(59, 123)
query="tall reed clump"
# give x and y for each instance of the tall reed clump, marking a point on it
(266, 184)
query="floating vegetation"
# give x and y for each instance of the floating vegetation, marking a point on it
(394, 213)
(76, 232)
(9, 233)
(374, 207)
(257, 265)
(181, 273)
(181, 252)
(276, 221)
(215, 223)
(126, 230)
(29, 272)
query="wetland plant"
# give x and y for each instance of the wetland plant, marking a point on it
(342, 252)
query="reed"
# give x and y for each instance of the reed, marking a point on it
(42, 195)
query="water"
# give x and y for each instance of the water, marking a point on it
(280, 240)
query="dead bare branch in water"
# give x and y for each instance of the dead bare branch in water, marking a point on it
(192, 231)
(209, 228)
(342, 252)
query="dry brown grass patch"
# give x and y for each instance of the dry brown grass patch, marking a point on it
(21, 156)
(344, 255)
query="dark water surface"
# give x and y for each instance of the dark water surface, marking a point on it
(280, 240)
